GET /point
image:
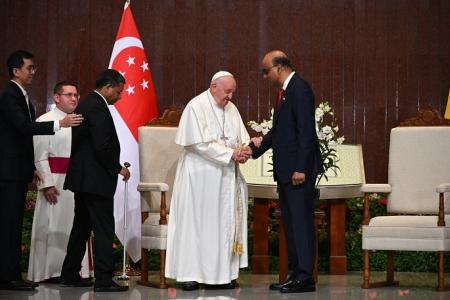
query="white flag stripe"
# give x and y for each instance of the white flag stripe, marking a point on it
(129, 153)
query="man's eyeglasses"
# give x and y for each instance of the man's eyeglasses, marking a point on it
(70, 95)
(266, 71)
(30, 69)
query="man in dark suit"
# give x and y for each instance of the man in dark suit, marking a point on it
(17, 128)
(92, 175)
(296, 163)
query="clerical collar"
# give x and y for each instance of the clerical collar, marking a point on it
(286, 82)
(59, 112)
(24, 92)
(104, 99)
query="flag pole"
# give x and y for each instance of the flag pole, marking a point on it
(124, 275)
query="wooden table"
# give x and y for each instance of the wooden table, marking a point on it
(335, 196)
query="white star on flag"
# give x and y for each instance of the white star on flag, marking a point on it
(130, 90)
(144, 66)
(122, 73)
(135, 108)
(144, 84)
(130, 61)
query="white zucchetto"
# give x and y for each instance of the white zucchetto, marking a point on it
(221, 74)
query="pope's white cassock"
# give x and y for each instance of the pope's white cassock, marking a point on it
(208, 214)
(52, 223)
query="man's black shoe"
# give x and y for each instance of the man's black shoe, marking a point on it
(298, 286)
(227, 286)
(52, 280)
(189, 285)
(32, 283)
(278, 286)
(77, 283)
(112, 287)
(18, 285)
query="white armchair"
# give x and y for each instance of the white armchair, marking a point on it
(158, 158)
(417, 220)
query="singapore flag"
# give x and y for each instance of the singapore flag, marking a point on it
(136, 107)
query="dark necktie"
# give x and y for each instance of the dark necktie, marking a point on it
(280, 98)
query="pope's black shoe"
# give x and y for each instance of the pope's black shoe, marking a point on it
(277, 286)
(227, 286)
(298, 286)
(112, 287)
(189, 285)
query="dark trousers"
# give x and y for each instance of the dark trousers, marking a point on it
(297, 213)
(92, 212)
(12, 202)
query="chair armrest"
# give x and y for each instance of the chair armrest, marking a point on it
(152, 187)
(156, 187)
(443, 188)
(368, 189)
(376, 188)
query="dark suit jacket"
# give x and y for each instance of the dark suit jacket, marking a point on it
(293, 135)
(94, 160)
(16, 135)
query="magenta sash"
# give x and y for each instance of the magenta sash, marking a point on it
(58, 165)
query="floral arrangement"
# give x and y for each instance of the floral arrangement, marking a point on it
(326, 131)
(262, 127)
(328, 139)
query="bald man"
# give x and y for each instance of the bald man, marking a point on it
(296, 163)
(207, 230)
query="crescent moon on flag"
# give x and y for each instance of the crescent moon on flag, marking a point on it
(122, 44)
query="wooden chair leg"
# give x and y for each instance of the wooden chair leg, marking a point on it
(442, 287)
(390, 267)
(162, 268)
(144, 271)
(144, 265)
(366, 270)
(389, 272)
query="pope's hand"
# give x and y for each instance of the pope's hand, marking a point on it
(241, 155)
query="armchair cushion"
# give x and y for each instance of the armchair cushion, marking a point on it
(408, 233)
(154, 235)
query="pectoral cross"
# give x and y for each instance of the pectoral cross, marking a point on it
(223, 138)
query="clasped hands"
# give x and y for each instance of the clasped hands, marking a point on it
(242, 154)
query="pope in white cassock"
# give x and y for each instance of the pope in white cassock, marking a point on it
(207, 230)
(54, 211)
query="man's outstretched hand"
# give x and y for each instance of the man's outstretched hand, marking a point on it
(71, 120)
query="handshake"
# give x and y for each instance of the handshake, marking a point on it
(242, 154)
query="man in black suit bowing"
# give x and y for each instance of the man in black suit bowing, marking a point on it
(92, 175)
(296, 163)
(17, 128)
